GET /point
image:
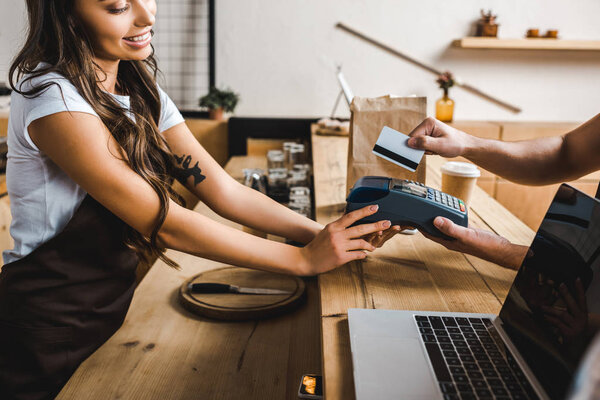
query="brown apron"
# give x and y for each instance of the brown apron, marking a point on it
(61, 302)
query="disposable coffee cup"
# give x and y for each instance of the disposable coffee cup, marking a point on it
(459, 178)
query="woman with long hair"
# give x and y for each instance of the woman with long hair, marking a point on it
(94, 145)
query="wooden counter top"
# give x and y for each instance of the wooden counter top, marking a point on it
(164, 352)
(410, 272)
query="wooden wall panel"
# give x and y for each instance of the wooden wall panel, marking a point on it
(530, 203)
(260, 147)
(6, 241)
(512, 131)
(489, 185)
(483, 129)
(212, 135)
(3, 126)
(587, 187)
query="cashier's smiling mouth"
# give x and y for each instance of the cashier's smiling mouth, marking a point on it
(139, 41)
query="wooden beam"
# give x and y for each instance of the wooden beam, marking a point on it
(426, 67)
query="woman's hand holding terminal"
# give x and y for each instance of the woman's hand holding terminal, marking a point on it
(338, 243)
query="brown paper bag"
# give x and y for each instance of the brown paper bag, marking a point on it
(369, 116)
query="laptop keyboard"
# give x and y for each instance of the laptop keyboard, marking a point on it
(470, 361)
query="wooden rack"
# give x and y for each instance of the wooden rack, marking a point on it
(526, 44)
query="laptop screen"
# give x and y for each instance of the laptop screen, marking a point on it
(553, 308)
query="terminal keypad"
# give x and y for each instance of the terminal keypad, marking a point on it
(445, 199)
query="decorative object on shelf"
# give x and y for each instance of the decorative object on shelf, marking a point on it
(444, 107)
(535, 33)
(487, 25)
(218, 101)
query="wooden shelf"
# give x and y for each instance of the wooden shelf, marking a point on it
(526, 44)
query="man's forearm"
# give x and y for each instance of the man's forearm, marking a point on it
(513, 256)
(540, 161)
(494, 248)
(505, 253)
(531, 162)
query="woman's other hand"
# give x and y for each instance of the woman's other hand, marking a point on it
(436, 137)
(478, 242)
(338, 243)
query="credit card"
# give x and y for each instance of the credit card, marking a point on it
(392, 146)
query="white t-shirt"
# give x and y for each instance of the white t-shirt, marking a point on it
(42, 197)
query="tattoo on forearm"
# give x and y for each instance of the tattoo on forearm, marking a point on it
(185, 171)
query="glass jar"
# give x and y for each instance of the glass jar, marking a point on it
(300, 194)
(256, 179)
(303, 167)
(300, 200)
(300, 208)
(275, 159)
(297, 155)
(277, 184)
(287, 147)
(297, 178)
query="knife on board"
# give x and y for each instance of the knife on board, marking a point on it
(207, 287)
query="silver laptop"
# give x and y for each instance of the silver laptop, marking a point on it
(529, 351)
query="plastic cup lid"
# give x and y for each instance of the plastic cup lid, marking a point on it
(457, 168)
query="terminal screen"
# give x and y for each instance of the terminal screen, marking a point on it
(413, 188)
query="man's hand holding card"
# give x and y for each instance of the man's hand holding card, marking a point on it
(392, 146)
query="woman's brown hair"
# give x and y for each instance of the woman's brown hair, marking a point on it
(57, 38)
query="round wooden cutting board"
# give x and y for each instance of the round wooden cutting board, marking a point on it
(243, 307)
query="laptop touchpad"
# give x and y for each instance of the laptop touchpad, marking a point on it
(392, 368)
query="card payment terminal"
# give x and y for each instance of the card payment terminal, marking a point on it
(405, 202)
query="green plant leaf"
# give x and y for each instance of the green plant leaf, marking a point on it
(216, 98)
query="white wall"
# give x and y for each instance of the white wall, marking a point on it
(280, 55)
(13, 21)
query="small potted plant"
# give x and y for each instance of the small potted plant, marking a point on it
(218, 101)
(444, 107)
